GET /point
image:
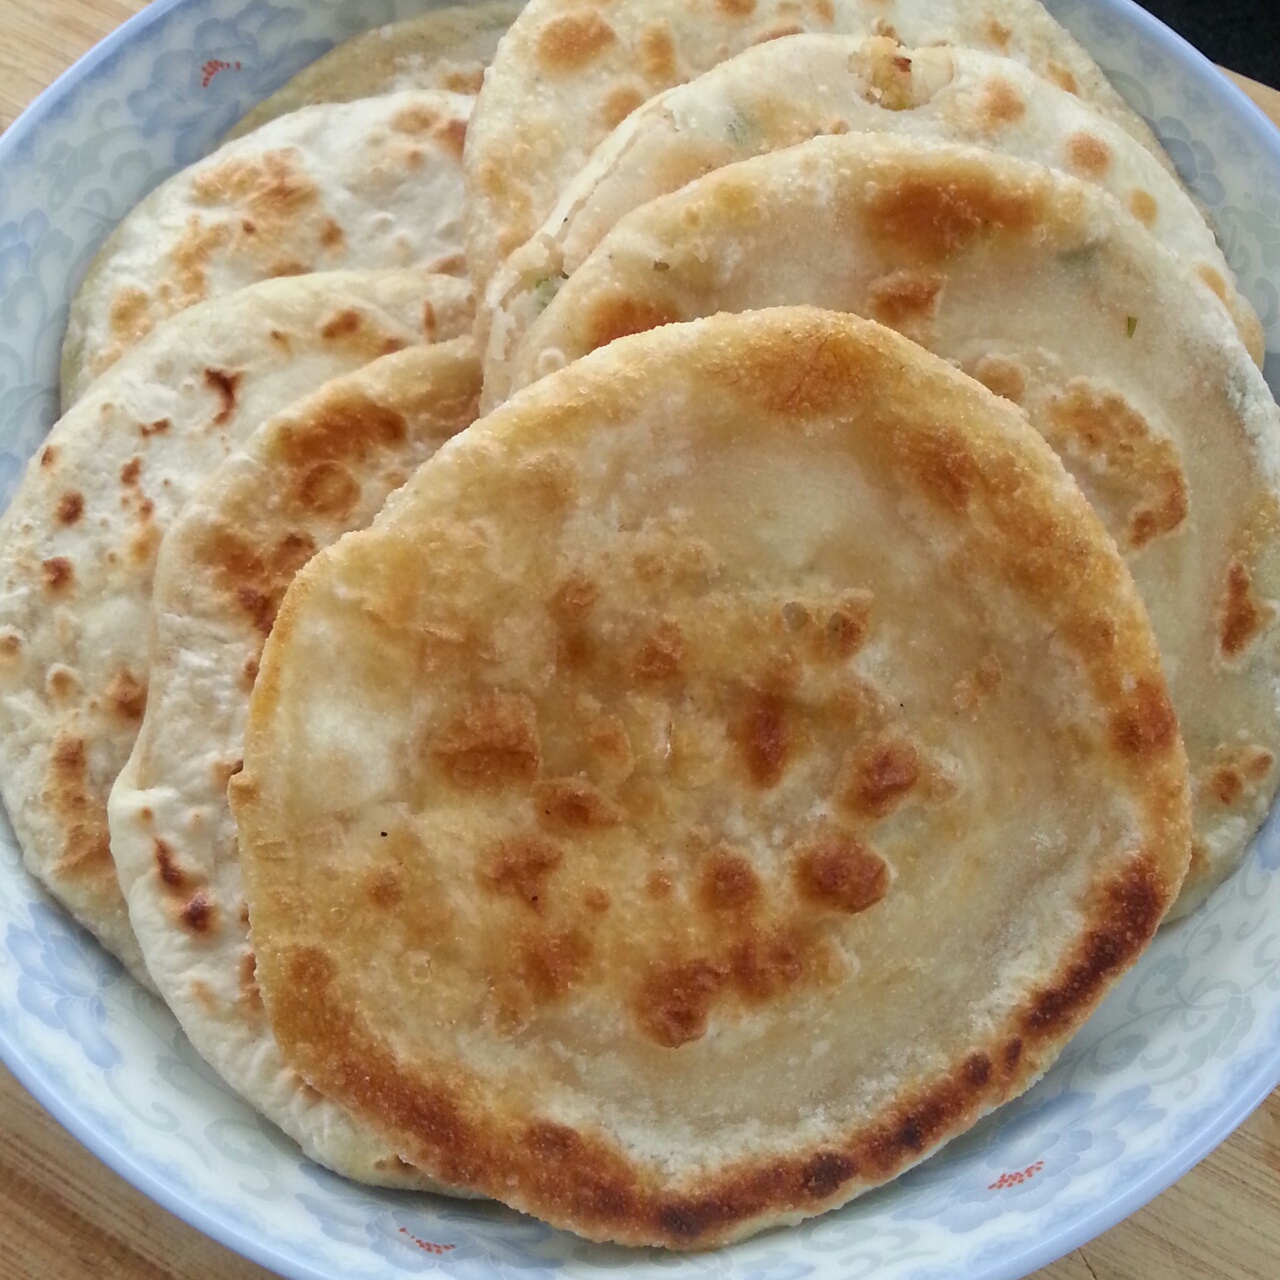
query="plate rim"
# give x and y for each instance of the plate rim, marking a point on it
(1213, 1131)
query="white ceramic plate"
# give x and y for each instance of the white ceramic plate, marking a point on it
(1176, 1058)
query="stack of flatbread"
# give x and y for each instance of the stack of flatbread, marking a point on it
(691, 793)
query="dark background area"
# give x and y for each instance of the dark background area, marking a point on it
(1241, 34)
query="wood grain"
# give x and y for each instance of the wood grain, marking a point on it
(66, 1216)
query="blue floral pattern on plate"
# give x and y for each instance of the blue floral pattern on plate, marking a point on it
(1179, 1054)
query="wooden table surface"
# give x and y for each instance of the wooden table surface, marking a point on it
(65, 1216)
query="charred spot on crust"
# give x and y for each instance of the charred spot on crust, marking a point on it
(660, 655)
(765, 738)
(131, 470)
(1088, 155)
(1097, 427)
(765, 963)
(848, 624)
(620, 103)
(1237, 772)
(521, 867)
(1062, 77)
(1003, 375)
(574, 804)
(48, 455)
(658, 55)
(156, 428)
(574, 598)
(58, 573)
(349, 425)
(1242, 617)
(1213, 278)
(842, 874)
(224, 385)
(937, 217)
(254, 575)
(905, 300)
(327, 489)
(1143, 206)
(1146, 725)
(573, 39)
(127, 695)
(491, 742)
(419, 117)
(997, 33)
(616, 316)
(170, 872)
(70, 507)
(452, 136)
(199, 913)
(880, 775)
(550, 963)
(826, 1172)
(729, 883)
(674, 1001)
(999, 104)
(386, 887)
(341, 325)
(86, 851)
(945, 468)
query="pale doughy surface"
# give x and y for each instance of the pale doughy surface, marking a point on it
(79, 541)
(1040, 286)
(445, 48)
(566, 74)
(361, 185)
(716, 779)
(323, 466)
(786, 91)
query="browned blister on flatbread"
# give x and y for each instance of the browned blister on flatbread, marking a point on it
(717, 778)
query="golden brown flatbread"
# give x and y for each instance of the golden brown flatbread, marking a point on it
(716, 779)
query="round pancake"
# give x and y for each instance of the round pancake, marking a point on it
(717, 779)
(440, 49)
(79, 542)
(354, 186)
(318, 469)
(787, 91)
(568, 72)
(1044, 289)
